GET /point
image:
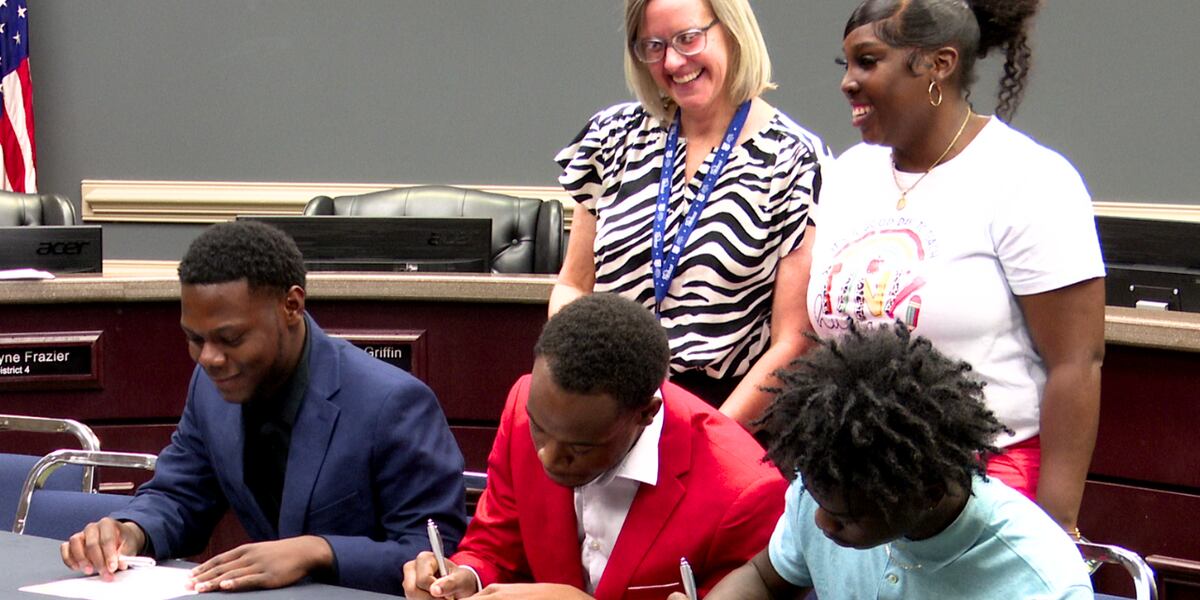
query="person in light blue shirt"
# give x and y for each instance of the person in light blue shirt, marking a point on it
(887, 439)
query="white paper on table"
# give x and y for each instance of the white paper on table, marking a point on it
(140, 583)
(7, 274)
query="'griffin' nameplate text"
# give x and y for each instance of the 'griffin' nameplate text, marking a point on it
(404, 349)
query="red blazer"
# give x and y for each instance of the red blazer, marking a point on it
(716, 503)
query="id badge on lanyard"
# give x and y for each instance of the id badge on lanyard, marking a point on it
(664, 264)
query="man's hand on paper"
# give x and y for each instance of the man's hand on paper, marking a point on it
(263, 565)
(421, 579)
(97, 549)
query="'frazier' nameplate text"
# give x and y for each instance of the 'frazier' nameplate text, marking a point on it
(38, 359)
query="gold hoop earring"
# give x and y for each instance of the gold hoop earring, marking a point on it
(932, 86)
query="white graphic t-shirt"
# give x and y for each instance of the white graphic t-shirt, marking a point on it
(1005, 218)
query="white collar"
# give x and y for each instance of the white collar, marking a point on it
(641, 462)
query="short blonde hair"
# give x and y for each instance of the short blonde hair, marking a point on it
(749, 63)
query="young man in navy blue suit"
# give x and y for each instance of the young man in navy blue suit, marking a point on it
(331, 459)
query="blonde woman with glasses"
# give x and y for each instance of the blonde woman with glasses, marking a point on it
(694, 201)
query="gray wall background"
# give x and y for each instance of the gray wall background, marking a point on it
(486, 91)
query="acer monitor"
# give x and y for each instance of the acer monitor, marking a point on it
(1151, 264)
(391, 244)
(58, 249)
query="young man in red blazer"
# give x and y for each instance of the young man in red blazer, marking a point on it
(602, 476)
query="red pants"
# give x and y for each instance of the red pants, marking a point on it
(1019, 466)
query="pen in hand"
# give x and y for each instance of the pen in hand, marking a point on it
(435, 542)
(137, 561)
(689, 580)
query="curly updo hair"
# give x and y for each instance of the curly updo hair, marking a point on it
(605, 344)
(881, 413)
(974, 27)
(261, 254)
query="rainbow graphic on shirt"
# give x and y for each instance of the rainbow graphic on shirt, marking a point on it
(874, 279)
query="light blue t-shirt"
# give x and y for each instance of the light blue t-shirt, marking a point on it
(1001, 547)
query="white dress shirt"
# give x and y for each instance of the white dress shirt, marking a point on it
(602, 505)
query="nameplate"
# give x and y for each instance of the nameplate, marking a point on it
(404, 349)
(50, 360)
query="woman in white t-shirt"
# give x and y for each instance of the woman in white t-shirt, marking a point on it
(968, 231)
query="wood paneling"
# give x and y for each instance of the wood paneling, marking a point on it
(1149, 418)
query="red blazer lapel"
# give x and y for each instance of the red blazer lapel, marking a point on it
(653, 505)
(547, 514)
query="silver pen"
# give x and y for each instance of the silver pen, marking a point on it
(689, 580)
(435, 542)
(137, 561)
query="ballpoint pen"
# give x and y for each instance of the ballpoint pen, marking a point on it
(137, 561)
(689, 581)
(435, 542)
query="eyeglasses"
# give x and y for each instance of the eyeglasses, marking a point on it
(688, 42)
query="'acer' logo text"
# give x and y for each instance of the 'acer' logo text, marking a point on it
(61, 248)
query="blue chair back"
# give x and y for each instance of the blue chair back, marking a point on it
(58, 514)
(66, 512)
(13, 470)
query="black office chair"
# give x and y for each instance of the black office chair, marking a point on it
(58, 513)
(527, 233)
(36, 209)
(1143, 576)
(14, 468)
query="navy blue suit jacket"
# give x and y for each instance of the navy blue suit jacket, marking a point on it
(371, 459)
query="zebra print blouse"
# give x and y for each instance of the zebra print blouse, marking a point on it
(717, 311)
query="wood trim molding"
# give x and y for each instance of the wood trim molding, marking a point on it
(123, 201)
(1146, 210)
(213, 201)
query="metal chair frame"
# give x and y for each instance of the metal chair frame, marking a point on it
(87, 438)
(475, 480)
(47, 465)
(1143, 575)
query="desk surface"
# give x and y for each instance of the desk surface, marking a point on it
(28, 560)
(150, 281)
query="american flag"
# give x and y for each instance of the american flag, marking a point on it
(16, 112)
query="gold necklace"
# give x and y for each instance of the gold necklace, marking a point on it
(907, 567)
(903, 201)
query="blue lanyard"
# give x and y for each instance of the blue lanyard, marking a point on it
(664, 266)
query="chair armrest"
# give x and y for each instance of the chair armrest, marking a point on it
(87, 438)
(57, 209)
(550, 241)
(96, 458)
(320, 205)
(1143, 575)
